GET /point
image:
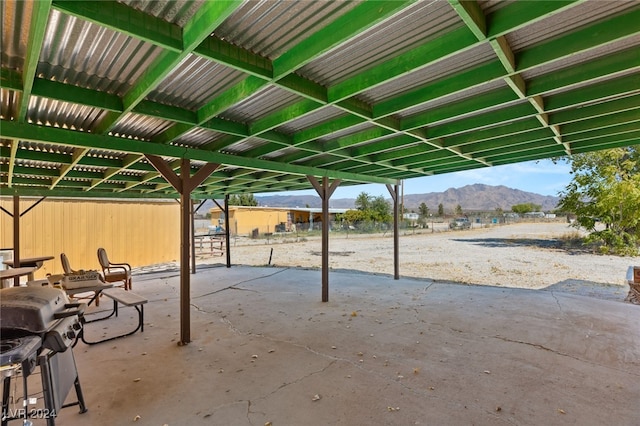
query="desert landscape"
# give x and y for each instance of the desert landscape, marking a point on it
(523, 255)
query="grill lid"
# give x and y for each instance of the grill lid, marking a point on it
(30, 309)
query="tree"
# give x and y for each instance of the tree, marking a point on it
(459, 210)
(380, 209)
(423, 210)
(606, 187)
(370, 211)
(243, 200)
(526, 208)
(363, 201)
(440, 210)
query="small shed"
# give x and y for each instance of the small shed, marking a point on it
(244, 220)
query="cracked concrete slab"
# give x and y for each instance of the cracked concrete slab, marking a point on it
(266, 349)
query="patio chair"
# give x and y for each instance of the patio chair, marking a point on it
(114, 272)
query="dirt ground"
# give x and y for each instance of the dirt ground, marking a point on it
(524, 255)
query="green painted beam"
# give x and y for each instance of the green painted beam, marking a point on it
(363, 16)
(230, 97)
(44, 191)
(583, 96)
(390, 144)
(127, 20)
(34, 133)
(37, 27)
(166, 112)
(472, 16)
(223, 52)
(206, 19)
(609, 65)
(604, 121)
(303, 87)
(591, 36)
(521, 13)
(497, 132)
(465, 80)
(453, 43)
(288, 113)
(590, 111)
(522, 147)
(462, 108)
(326, 128)
(540, 154)
(608, 143)
(585, 133)
(488, 119)
(10, 79)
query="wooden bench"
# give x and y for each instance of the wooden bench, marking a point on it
(126, 298)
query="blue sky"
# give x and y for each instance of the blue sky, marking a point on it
(540, 177)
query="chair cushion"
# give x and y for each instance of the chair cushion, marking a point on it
(116, 276)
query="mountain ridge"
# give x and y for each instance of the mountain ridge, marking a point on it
(475, 197)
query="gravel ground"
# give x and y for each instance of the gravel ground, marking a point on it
(524, 255)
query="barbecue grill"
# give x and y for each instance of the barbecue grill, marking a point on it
(38, 326)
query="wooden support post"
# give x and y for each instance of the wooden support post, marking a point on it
(325, 191)
(184, 184)
(185, 240)
(226, 229)
(396, 231)
(193, 232)
(16, 236)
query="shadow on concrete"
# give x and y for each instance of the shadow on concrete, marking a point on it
(590, 289)
(545, 244)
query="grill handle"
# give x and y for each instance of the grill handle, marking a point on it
(70, 311)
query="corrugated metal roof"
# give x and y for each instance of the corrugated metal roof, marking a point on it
(346, 132)
(270, 28)
(45, 147)
(15, 33)
(198, 137)
(586, 57)
(140, 126)
(490, 6)
(465, 60)
(8, 103)
(87, 55)
(194, 82)
(453, 98)
(566, 21)
(51, 112)
(244, 146)
(412, 27)
(177, 12)
(319, 116)
(260, 104)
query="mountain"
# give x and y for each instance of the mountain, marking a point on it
(474, 197)
(479, 197)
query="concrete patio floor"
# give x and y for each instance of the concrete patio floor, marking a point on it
(266, 350)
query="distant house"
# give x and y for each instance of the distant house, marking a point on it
(533, 214)
(252, 220)
(411, 216)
